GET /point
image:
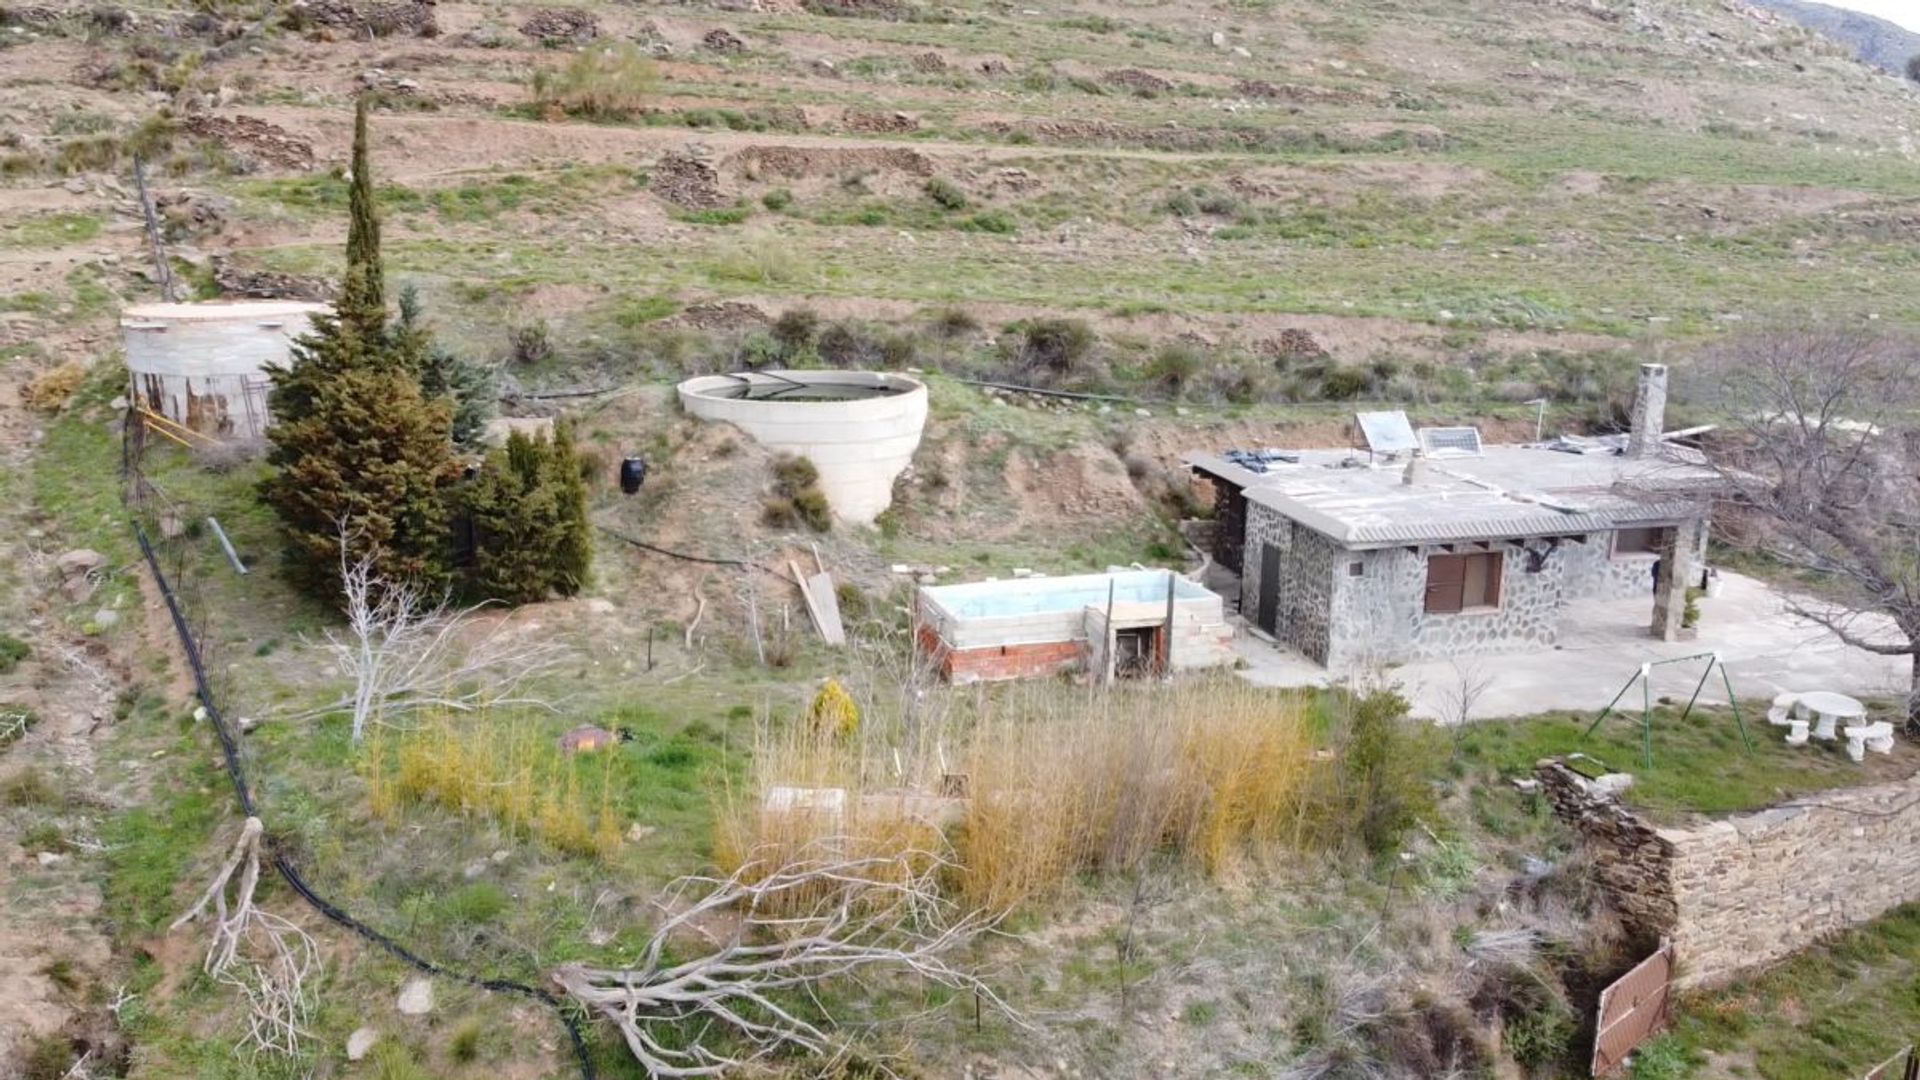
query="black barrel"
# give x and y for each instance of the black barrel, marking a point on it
(633, 473)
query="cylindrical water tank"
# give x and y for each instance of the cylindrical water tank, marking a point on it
(203, 365)
(633, 473)
(859, 428)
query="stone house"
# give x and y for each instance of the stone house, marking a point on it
(1437, 546)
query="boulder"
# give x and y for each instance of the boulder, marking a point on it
(416, 997)
(360, 1042)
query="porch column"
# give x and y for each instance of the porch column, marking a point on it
(1679, 568)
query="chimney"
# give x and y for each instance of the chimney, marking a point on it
(1649, 412)
(1416, 470)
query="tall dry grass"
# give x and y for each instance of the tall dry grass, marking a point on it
(1033, 786)
(504, 767)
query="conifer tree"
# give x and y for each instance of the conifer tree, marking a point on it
(354, 442)
(573, 546)
(469, 386)
(527, 512)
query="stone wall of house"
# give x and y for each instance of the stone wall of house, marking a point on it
(1745, 891)
(1594, 572)
(1380, 615)
(1304, 603)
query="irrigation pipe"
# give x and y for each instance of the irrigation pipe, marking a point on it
(236, 772)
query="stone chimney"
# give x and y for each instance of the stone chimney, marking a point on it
(1649, 412)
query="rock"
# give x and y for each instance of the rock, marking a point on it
(79, 561)
(599, 605)
(76, 185)
(199, 711)
(106, 617)
(360, 1042)
(1143, 413)
(1242, 52)
(246, 724)
(501, 855)
(50, 858)
(1218, 39)
(638, 832)
(416, 997)
(475, 869)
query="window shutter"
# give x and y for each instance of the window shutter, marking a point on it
(1446, 583)
(1495, 565)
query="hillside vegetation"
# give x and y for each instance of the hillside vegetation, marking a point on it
(1221, 223)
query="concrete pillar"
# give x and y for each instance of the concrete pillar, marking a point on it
(1649, 412)
(1679, 568)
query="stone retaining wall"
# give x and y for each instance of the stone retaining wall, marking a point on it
(1742, 892)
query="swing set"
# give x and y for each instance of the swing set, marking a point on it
(1644, 677)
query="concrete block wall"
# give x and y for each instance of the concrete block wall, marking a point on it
(1743, 892)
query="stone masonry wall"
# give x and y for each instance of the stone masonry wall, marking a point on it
(1633, 862)
(1380, 616)
(1749, 890)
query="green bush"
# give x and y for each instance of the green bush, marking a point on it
(797, 499)
(479, 902)
(12, 651)
(1383, 788)
(28, 787)
(1176, 366)
(526, 515)
(611, 80)
(1345, 383)
(945, 193)
(1542, 1037)
(796, 329)
(48, 1058)
(777, 200)
(1058, 346)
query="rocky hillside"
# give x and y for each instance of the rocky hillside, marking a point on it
(1884, 44)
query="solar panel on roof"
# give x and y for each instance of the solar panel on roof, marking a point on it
(1452, 441)
(1387, 432)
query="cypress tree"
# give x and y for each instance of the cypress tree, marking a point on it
(353, 438)
(363, 295)
(573, 544)
(528, 514)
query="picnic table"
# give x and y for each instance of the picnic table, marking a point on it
(1830, 708)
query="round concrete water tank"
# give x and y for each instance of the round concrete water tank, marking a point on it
(859, 428)
(203, 365)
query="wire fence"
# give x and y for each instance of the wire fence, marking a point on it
(171, 547)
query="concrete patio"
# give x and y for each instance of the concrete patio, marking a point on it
(1765, 648)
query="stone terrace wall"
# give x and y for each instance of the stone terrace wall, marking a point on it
(1748, 890)
(1633, 862)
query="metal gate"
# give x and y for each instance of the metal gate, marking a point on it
(1904, 1065)
(1634, 1007)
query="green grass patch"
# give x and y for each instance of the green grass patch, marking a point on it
(50, 230)
(1700, 765)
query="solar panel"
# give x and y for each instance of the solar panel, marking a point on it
(1450, 441)
(1387, 432)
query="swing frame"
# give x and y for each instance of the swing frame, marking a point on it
(1643, 676)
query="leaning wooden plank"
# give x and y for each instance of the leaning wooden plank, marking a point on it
(820, 587)
(813, 606)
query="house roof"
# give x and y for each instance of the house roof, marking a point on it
(1570, 487)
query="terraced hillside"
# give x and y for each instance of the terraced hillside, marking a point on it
(1406, 179)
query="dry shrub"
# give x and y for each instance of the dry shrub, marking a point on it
(1038, 787)
(505, 768)
(609, 81)
(51, 390)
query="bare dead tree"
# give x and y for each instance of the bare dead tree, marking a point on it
(264, 956)
(1457, 700)
(786, 930)
(1823, 460)
(406, 649)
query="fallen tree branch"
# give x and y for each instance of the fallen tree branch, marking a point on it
(264, 956)
(787, 929)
